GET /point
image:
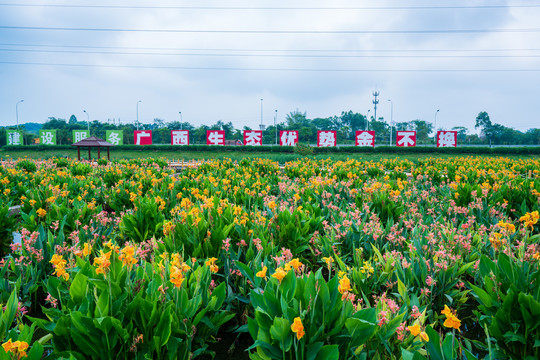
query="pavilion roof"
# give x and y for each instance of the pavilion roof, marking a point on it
(93, 142)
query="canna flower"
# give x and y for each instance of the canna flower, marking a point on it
(168, 228)
(262, 273)
(41, 212)
(279, 274)
(177, 277)
(414, 329)
(452, 320)
(295, 263)
(298, 328)
(103, 262)
(127, 256)
(212, 263)
(328, 260)
(344, 284)
(529, 219)
(17, 348)
(424, 336)
(59, 265)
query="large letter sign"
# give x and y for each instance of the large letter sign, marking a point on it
(179, 137)
(115, 137)
(326, 138)
(446, 138)
(142, 137)
(365, 138)
(252, 137)
(406, 138)
(79, 135)
(215, 137)
(288, 137)
(14, 137)
(47, 137)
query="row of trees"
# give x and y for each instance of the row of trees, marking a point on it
(346, 124)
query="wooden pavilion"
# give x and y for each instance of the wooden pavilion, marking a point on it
(92, 142)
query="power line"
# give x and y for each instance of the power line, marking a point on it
(432, 31)
(271, 7)
(262, 55)
(264, 69)
(266, 50)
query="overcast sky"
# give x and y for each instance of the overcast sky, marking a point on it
(218, 60)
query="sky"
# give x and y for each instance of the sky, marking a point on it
(215, 60)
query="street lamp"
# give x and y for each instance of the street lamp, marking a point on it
(88, 121)
(180, 119)
(435, 126)
(367, 119)
(391, 120)
(275, 128)
(17, 112)
(138, 114)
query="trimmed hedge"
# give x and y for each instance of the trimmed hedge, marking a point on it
(525, 150)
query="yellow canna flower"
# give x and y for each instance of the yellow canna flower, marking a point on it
(279, 274)
(414, 329)
(298, 328)
(41, 212)
(344, 284)
(177, 277)
(212, 263)
(262, 273)
(424, 336)
(295, 263)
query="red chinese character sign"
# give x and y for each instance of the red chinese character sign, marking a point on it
(179, 137)
(252, 137)
(215, 137)
(406, 138)
(288, 137)
(326, 138)
(365, 138)
(142, 137)
(446, 138)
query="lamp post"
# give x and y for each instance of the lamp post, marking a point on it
(435, 126)
(17, 112)
(138, 113)
(180, 119)
(391, 120)
(367, 119)
(275, 128)
(87, 121)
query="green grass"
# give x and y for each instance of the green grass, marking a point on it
(176, 155)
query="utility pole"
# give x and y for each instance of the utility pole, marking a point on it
(391, 120)
(435, 126)
(138, 114)
(87, 121)
(375, 102)
(180, 119)
(262, 126)
(275, 128)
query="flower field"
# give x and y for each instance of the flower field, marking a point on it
(316, 259)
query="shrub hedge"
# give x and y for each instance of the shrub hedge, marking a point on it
(529, 150)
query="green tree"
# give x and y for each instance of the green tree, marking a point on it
(423, 129)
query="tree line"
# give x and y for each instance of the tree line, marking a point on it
(345, 125)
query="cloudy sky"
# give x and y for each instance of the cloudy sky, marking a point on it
(216, 60)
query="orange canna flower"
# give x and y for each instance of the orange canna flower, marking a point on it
(452, 320)
(41, 212)
(424, 336)
(212, 263)
(298, 328)
(177, 277)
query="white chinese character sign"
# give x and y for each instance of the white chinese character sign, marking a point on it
(115, 137)
(179, 137)
(288, 137)
(365, 138)
(215, 137)
(79, 135)
(14, 137)
(446, 138)
(47, 137)
(142, 137)
(405, 138)
(326, 138)
(252, 137)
